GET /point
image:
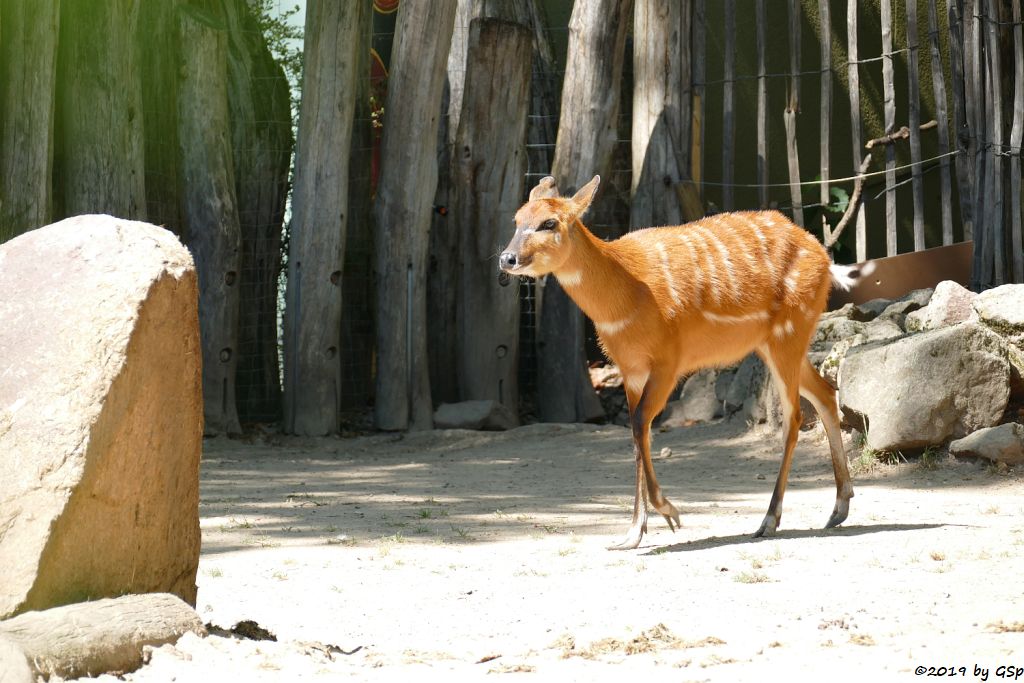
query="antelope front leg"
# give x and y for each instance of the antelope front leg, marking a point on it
(642, 409)
(638, 527)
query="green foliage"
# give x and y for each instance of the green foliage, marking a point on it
(284, 39)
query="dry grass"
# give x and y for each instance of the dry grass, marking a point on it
(654, 639)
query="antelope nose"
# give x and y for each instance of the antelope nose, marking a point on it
(507, 260)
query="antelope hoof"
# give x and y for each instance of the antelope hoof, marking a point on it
(838, 514)
(768, 526)
(632, 538)
(671, 515)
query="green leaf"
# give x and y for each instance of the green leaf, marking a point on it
(840, 199)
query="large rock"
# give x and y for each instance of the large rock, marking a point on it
(486, 415)
(1002, 310)
(1004, 443)
(950, 304)
(697, 401)
(920, 390)
(100, 414)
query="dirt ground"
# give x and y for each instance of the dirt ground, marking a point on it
(453, 555)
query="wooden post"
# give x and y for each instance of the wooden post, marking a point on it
(941, 115)
(825, 17)
(728, 105)
(28, 69)
(994, 256)
(792, 108)
(976, 103)
(853, 71)
(403, 208)
(914, 108)
(100, 166)
(661, 111)
(962, 119)
(586, 138)
(313, 353)
(889, 96)
(210, 211)
(761, 22)
(260, 106)
(1016, 140)
(698, 28)
(488, 182)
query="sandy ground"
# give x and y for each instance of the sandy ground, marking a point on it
(454, 555)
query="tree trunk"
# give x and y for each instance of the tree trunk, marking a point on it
(404, 195)
(260, 110)
(661, 111)
(488, 182)
(357, 304)
(209, 208)
(99, 112)
(586, 136)
(320, 215)
(28, 69)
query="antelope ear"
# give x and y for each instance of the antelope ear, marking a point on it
(545, 188)
(585, 195)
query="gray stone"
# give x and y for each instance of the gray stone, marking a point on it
(898, 310)
(697, 401)
(1002, 310)
(485, 415)
(1004, 443)
(950, 304)
(101, 415)
(749, 376)
(869, 310)
(881, 329)
(921, 389)
(835, 329)
(14, 666)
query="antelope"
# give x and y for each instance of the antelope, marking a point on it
(668, 301)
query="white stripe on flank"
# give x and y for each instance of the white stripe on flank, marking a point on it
(723, 254)
(666, 270)
(614, 326)
(698, 273)
(780, 330)
(570, 279)
(736, 319)
(712, 267)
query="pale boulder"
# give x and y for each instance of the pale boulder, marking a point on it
(100, 414)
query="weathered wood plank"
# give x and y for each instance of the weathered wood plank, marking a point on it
(914, 117)
(853, 74)
(792, 108)
(488, 182)
(210, 209)
(312, 344)
(942, 116)
(405, 193)
(977, 107)
(28, 71)
(761, 21)
(825, 33)
(660, 138)
(728, 106)
(1016, 140)
(889, 98)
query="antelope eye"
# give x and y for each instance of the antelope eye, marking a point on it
(549, 224)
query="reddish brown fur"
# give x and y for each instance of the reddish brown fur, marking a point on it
(669, 301)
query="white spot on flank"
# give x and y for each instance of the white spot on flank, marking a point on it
(736, 319)
(570, 279)
(636, 383)
(614, 326)
(666, 270)
(791, 281)
(780, 330)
